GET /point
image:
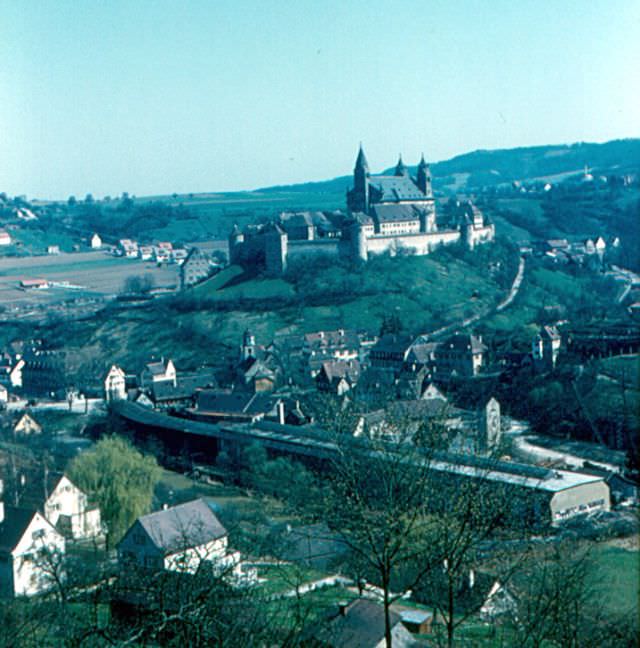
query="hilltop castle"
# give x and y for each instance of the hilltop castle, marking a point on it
(385, 213)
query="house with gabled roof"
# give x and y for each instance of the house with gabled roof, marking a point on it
(179, 538)
(358, 624)
(158, 371)
(338, 376)
(115, 384)
(27, 425)
(63, 504)
(29, 546)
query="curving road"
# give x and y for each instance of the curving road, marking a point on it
(511, 295)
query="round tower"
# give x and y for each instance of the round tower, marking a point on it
(358, 241)
(236, 239)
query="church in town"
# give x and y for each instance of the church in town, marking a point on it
(389, 213)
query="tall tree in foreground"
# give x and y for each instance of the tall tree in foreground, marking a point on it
(121, 480)
(402, 516)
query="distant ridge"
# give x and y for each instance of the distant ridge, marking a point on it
(493, 167)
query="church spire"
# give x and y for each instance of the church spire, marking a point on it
(361, 160)
(401, 169)
(423, 178)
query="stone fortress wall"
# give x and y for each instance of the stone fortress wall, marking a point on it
(385, 214)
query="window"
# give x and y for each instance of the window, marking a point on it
(139, 538)
(37, 534)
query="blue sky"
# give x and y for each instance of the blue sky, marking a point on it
(154, 96)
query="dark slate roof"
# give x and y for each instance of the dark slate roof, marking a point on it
(395, 188)
(422, 353)
(393, 343)
(337, 369)
(397, 213)
(185, 387)
(32, 495)
(182, 527)
(463, 342)
(13, 527)
(156, 368)
(296, 219)
(361, 626)
(235, 402)
(431, 408)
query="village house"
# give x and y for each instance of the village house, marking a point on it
(128, 248)
(28, 546)
(391, 352)
(461, 355)
(45, 373)
(165, 394)
(358, 624)
(338, 376)
(115, 384)
(11, 370)
(158, 371)
(27, 425)
(195, 267)
(5, 237)
(96, 242)
(63, 504)
(181, 538)
(53, 249)
(239, 406)
(145, 252)
(546, 347)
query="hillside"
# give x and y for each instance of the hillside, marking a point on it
(205, 324)
(493, 167)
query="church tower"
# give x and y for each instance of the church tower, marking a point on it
(358, 197)
(424, 178)
(248, 349)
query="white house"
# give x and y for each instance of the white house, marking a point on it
(65, 506)
(27, 425)
(158, 372)
(5, 238)
(181, 538)
(15, 375)
(115, 387)
(29, 547)
(53, 249)
(96, 242)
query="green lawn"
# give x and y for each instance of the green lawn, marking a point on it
(616, 578)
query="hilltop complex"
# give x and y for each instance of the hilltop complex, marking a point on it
(385, 213)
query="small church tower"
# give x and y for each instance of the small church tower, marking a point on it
(358, 197)
(248, 348)
(423, 179)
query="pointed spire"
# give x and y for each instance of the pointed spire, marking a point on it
(361, 160)
(422, 164)
(401, 169)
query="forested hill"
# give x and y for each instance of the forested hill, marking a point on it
(486, 168)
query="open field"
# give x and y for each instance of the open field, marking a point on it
(94, 274)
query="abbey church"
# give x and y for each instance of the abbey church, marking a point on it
(385, 213)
